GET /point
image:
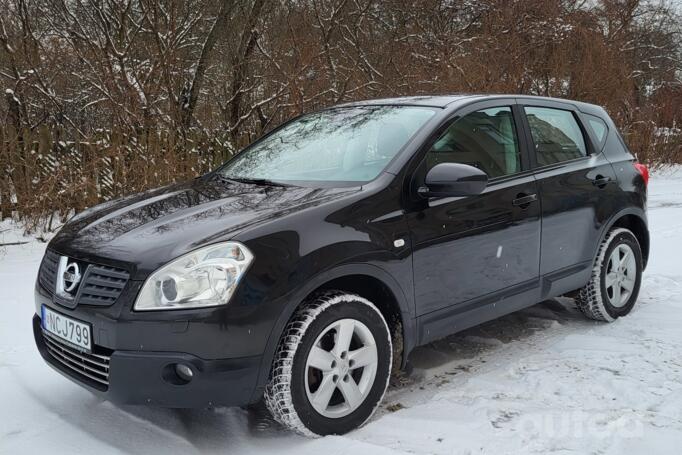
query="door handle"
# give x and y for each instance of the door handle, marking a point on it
(524, 200)
(600, 181)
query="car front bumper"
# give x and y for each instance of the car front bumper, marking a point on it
(139, 377)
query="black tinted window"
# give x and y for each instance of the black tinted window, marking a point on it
(599, 127)
(556, 135)
(485, 139)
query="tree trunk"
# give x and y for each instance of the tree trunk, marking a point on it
(190, 93)
(246, 46)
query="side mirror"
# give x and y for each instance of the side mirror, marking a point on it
(453, 179)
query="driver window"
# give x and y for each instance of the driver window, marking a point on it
(485, 139)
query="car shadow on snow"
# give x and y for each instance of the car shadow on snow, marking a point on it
(477, 341)
(460, 356)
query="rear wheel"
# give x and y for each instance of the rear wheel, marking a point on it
(332, 366)
(616, 278)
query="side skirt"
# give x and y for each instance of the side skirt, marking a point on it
(447, 321)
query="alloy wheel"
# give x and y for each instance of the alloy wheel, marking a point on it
(341, 368)
(621, 275)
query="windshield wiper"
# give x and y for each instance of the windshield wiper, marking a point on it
(261, 182)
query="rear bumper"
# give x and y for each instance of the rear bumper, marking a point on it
(137, 377)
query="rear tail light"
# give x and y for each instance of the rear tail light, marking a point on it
(643, 171)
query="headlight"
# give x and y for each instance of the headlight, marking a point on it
(205, 277)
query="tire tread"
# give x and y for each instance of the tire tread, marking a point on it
(278, 396)
(589, 300)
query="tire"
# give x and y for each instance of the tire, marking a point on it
(606, 297)
(291, 394)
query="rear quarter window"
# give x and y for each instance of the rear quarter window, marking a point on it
(599, 128)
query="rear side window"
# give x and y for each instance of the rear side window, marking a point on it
(556, 135)
(599, 127)
(485, 139)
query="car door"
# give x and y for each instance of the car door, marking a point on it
(465, 248)
(576, 188)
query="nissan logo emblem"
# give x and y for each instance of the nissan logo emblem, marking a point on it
(71, 277)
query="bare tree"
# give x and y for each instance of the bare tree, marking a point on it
(134, 93)
(190, 94)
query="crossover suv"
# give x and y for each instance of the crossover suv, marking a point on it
(304, 270)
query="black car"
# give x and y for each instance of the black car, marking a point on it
(305, 269)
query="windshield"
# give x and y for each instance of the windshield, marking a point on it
(352, 144)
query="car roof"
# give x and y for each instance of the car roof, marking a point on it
(443, 101)
(422, 100)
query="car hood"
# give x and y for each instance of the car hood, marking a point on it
(149, 229)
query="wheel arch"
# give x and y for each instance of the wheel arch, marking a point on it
(635, 221)
(366, 280)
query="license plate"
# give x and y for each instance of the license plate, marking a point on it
(70, 330)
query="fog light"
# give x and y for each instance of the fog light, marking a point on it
(184, 372)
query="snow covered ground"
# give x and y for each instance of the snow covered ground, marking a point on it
(544, 380)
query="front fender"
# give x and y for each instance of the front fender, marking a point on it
(299, 295)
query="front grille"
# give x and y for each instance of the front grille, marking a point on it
(47, 275)
(94, 367)
(101, 285)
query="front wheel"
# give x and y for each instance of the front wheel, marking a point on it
(617, 275)
(332, 366)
